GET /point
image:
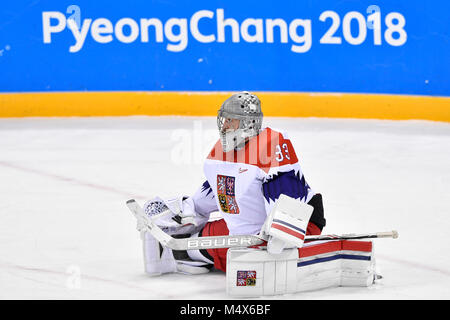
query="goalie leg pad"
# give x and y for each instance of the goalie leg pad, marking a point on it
(335, 263)
(159, 259)
(256, 272)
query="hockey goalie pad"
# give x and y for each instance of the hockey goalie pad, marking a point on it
(336, 263)
(256, 272)
(159, 259)
(286, 224)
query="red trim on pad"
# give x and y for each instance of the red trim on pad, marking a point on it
(333, 246)
(365, 246)
(320, 248)
(288, 231)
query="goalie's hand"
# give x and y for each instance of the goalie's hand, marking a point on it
(167, 214)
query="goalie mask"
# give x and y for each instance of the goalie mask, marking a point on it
(239, 118)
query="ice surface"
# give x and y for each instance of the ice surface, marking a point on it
(65, 232)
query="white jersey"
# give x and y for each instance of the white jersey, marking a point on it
(244, 185)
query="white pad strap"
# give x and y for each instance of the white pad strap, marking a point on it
(192, 267)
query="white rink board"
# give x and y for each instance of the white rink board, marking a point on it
(65, 232)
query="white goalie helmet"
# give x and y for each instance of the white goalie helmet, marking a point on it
(246, 108)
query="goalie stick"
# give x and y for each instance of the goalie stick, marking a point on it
(232, 241)
(191, 243)
(352, 236)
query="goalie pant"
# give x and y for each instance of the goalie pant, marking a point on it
(219, 228)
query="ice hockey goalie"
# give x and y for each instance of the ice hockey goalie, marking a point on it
(255, 183)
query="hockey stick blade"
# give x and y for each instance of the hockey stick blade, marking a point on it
(191, 243)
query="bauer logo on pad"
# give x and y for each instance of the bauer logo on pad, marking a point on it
(246, 278)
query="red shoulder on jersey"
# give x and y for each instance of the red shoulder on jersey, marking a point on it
(267, 150)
